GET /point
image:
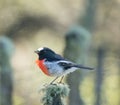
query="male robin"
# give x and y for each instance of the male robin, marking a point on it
(53, 64)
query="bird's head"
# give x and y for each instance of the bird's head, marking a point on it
(44, 52)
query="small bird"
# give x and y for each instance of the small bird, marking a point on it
(53, 64)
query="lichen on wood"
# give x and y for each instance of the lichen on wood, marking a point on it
(53, 94)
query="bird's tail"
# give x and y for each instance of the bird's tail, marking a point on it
(83, 67)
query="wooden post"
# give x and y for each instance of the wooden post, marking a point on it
(118, 55)
(99, 74)
(6, 83)
(53, 94)
(76, 49)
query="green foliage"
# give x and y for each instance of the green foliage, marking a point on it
(53, 93)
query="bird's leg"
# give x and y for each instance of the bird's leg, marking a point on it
(54, 80)
(61, 79)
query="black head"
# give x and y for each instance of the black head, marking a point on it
(44, 53)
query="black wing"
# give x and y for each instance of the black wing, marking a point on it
(67, 65)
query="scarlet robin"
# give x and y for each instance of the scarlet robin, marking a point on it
(53, 64)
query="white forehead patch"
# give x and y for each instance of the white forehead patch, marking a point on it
(40, 49)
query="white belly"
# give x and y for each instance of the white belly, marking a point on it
(56, 70)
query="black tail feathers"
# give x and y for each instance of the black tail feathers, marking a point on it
(83, 67)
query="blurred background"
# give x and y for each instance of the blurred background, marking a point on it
(85, 29)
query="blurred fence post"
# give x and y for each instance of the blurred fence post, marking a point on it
(6, 83)
(99, 74)
(89, 17)
(77, 47)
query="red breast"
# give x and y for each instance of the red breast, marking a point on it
(41, 65)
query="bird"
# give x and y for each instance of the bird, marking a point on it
(53, 64)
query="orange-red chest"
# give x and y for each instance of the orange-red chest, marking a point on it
(41, 65)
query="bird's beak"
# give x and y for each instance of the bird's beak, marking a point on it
(36, 51)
